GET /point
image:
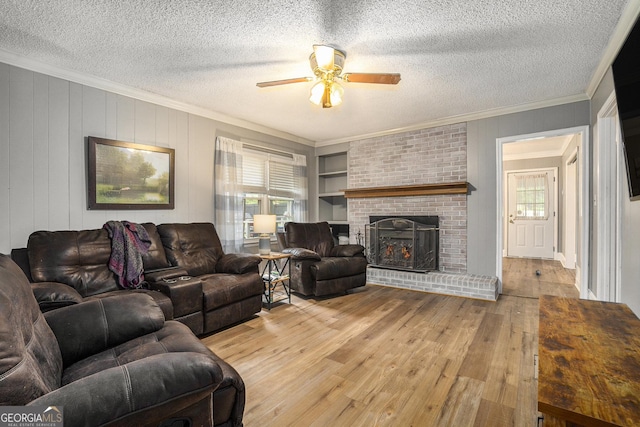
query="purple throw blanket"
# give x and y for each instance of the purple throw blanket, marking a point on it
(129, 241)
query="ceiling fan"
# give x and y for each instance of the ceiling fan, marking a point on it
(327, 63)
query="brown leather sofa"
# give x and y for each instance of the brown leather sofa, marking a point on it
(71, 267)
(318, 266)
(186, 271)
(112, 361)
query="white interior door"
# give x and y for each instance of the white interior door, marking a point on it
(531, 214)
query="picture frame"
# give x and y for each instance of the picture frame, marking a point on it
(129, 176)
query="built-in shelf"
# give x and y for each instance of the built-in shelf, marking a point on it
(336, 174)
(332, 178)
(408, 190)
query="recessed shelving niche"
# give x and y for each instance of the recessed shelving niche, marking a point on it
(332, 180)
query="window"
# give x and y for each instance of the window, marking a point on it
(531, 196)
(268, 188)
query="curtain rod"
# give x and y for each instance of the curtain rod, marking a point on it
(268, 150)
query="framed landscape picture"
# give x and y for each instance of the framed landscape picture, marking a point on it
(124, 175)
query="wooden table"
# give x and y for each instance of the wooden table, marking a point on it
(589, 363)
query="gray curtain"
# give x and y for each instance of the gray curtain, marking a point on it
(300, 202)
(228, 194)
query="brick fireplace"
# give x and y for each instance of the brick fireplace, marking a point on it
(427, 156)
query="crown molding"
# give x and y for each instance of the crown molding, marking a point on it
(536, 155)
(20, 61)
(625, 24)
(558, 152)
(461, 118)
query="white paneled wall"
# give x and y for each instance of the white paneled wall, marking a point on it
(44, 125)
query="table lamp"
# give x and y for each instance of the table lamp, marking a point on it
(265, 225)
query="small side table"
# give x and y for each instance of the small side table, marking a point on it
(274, 274)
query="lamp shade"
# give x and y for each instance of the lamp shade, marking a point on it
(264, 224)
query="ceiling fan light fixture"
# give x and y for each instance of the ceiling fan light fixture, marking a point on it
(327, 64)
(324, 57)
(326, 60)
(336, 93)
(317, 92)
(326, 93)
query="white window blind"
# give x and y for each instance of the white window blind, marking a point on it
(254, 174)
(281, 179)
(269, 187)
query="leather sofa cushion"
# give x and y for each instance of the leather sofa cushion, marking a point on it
(155, 258)
(163, 301)
(78, 258)
(86, 329)
(223, 289)
(25, 341)
(194, 247)
(336, 267)
(314, 236)
(173, 337)
(52, 295)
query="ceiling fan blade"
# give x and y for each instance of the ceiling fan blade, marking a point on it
(380, 78)
(284, 82)
(324, 56)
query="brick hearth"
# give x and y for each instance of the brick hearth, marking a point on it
(464, 285)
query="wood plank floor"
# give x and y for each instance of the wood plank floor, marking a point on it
(389, 357)
(519, 278)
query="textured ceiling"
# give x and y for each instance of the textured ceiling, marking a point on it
(456, 57)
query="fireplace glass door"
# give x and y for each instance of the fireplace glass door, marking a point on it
(403, 244)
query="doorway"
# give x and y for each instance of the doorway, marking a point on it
(566, 151)
(531, 205)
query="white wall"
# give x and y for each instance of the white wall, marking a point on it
(44, 123)
(630, 212)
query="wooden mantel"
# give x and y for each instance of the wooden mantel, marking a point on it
(408, 190)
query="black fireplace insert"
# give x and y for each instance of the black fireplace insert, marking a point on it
(403, 242)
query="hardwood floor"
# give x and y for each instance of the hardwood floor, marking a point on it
(519, 278)
(390, 357)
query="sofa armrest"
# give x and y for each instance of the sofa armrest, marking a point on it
(149, 388)
(184, 291)
(302, 254)
(117, 319)
(238, 263)
(152, 276)
(347, 250)
(53, 295)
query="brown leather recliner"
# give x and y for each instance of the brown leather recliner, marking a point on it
(231, 286)
(109, 361)
(318, 266)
